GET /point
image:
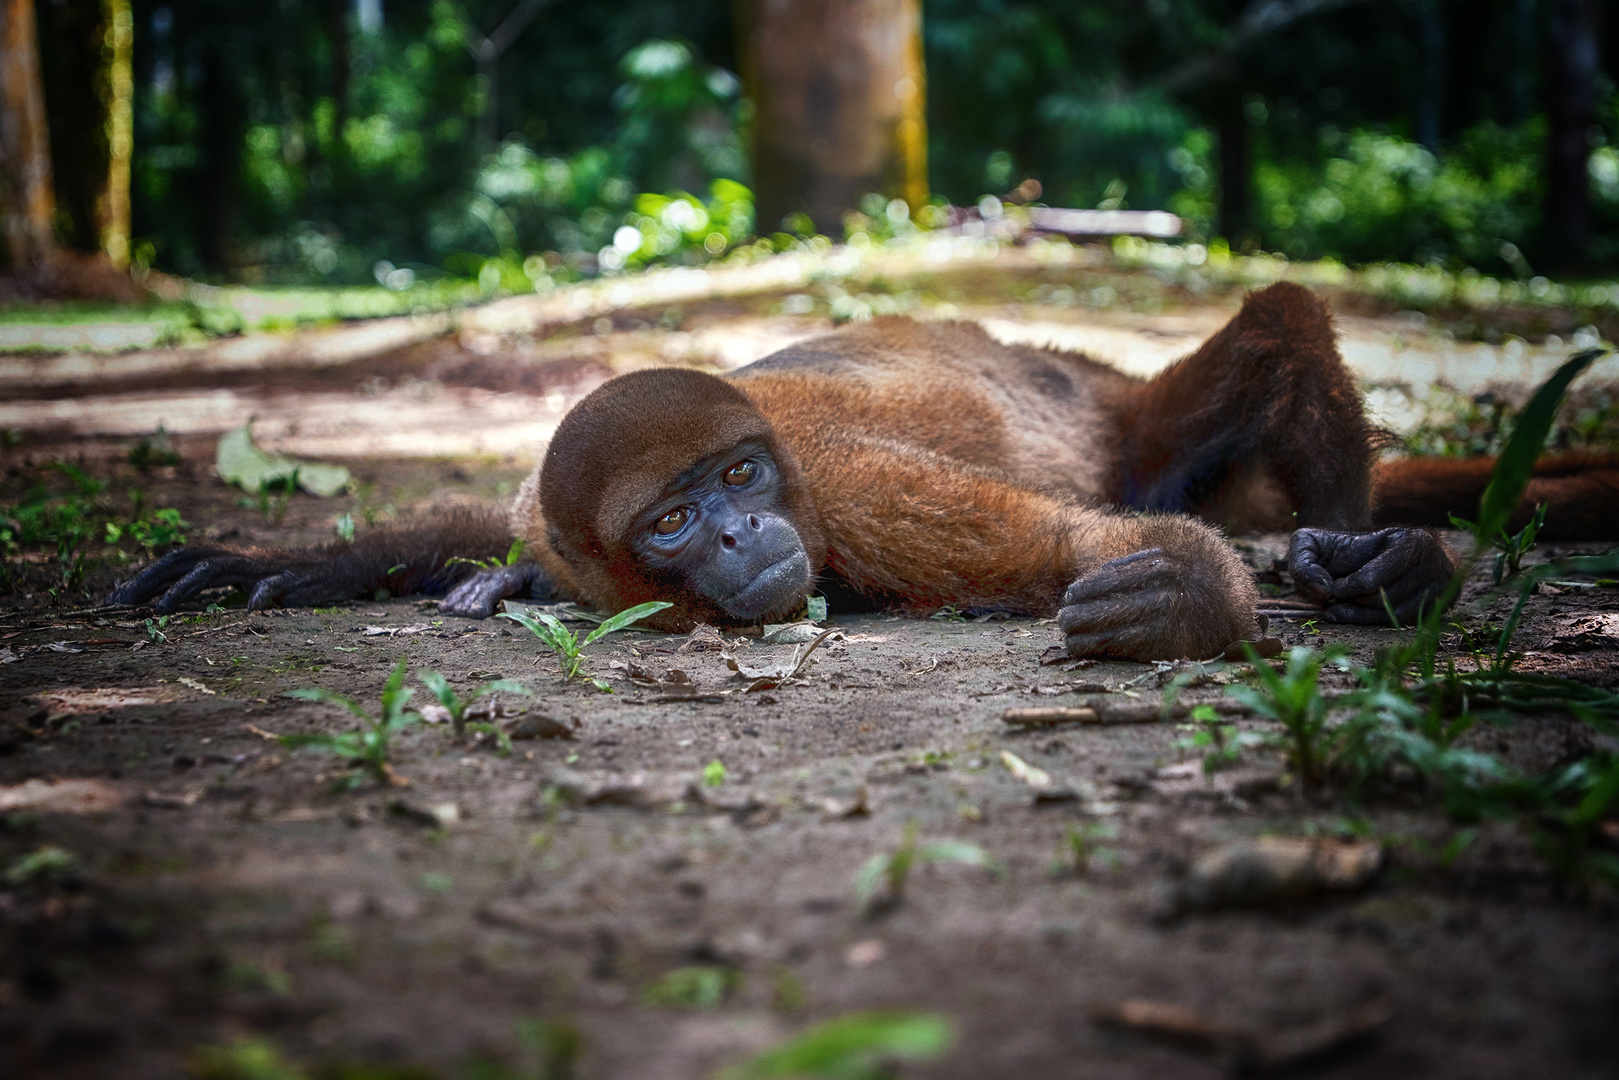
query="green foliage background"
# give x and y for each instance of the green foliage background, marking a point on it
(1378, 130)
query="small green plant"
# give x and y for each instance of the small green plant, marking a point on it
(245, 1059)
(1293, 699)
(457, 706)
(1510, 549)
(714, 773)
(880, 884)
(164, 526)
(701, 986)
(949, 613)
(1080, 844)
(1217, 736)
(550, 1051)
(513, 553)
(344, 527)
(367, 748)
(155, 628)
(46, 864)
(858, 1046)
(566, 644)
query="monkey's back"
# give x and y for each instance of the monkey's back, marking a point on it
(948, 388)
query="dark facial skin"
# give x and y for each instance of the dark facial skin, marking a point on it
(723, 531)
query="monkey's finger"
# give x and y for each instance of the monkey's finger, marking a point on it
(1408, 554)
(157, 578)
(268, 592)
(1142, 569)
(476, 597)
(223, 571)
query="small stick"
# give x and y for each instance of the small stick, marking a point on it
(1144, 712)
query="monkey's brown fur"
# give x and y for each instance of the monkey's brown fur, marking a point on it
(932, 465)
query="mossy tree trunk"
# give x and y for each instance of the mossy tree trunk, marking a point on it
(839, 109)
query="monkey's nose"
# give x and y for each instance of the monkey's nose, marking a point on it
(754, 523)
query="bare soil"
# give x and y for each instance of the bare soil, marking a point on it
(225, 890)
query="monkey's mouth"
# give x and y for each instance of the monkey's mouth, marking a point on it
(778, 583)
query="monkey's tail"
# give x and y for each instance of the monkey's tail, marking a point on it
(1581, 493)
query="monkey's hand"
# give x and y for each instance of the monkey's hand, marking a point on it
(476, 597)
(1350, 573)
(269, 578)
(1158, 604)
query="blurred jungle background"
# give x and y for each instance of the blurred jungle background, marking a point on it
(510, 143)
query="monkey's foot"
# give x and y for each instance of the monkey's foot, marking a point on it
(1154, 605)
(476, 597)
(1351, 573)
(180, 576)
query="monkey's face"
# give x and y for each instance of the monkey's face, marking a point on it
(722, 530)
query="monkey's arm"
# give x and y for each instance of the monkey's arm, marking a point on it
(908, 526)
(405, 558)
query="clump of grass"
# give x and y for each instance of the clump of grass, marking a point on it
(700, 986)
(880, 884)
(1217, 736)
(550, 1051)
(714, 773)
(45, 518)
(457, 706)
(368, 749)
(1510, 549)
(569, 646)
(1293, 698)
(858, 1046)
(1080, 844)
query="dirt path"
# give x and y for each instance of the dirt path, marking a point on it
(216, 888)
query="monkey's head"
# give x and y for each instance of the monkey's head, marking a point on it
(670, 485)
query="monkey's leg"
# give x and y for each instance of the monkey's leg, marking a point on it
(407, 558)
(1268, 396)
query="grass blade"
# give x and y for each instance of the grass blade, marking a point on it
(1517, 460)
(329, 697)
(625, 618)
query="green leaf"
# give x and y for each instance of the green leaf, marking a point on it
(870, 877)
(328, 697)
(242, 463)
(346, 744)
(550, 631)
(959, 851)
(439, 687)
(852, 1047)
(514, 552)
(394, 692)
(1517, 460)
(625, 618)
(501, 686)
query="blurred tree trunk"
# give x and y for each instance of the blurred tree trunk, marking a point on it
(223, 117)
(337, 36)
(1571, 67)
(89, 94)
(27, 205)
(1235, 173)
(839, 108)
(118, 52)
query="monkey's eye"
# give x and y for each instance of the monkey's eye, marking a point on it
(671, 523)
(740, 473)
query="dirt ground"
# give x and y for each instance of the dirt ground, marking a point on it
(221, 889)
